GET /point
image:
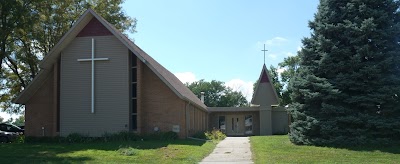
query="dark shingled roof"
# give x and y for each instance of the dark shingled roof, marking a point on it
(166, 76)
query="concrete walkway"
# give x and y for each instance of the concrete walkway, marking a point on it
(230, 150)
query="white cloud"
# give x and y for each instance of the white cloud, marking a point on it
(272, 56)
(280, 54)
(280, 70)
(276, 41)
(239, 85)
(299, 48)
(186, 77)
(290, 54)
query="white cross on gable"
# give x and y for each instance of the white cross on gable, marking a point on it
(93, 59)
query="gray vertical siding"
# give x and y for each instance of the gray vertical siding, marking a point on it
(280, 121)
(111, 87)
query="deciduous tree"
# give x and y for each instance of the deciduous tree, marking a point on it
(19, 121)
(216, 94)
(290, 66)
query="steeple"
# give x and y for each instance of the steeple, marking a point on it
(264, 76)
(265, 93)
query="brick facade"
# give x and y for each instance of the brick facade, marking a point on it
(40, 111)
(197, 120)
(160, 107)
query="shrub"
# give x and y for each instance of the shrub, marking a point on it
(200, 135)
(120, 136)
(77, 138)
(20, 139)
(106, 137)
(215, 134)
(169, 136)
(160, 136)
(29, 139)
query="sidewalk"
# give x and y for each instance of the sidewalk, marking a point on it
(230, 150)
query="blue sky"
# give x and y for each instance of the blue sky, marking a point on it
(219, 39)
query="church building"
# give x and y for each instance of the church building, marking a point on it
(96, 81)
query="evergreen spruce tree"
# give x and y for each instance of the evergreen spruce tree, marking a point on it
(347, 90)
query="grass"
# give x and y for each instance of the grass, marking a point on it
(278, 149)
(175, 151)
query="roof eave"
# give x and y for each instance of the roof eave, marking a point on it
(49, 59)
(204, 108)
(33, 86)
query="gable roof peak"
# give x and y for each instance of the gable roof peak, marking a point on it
(264, 92)
(52, 57)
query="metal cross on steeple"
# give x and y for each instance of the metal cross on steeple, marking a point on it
(264, 52)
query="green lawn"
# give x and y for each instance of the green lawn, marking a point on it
(278, 149)
(176, 151)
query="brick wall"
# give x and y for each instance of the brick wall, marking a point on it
(197, 120)
(40, 112)
(160, 106)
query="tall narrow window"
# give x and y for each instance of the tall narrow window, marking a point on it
(221, 123)
(58, 95)
(233, 124)
(133, 92)
(248, 124)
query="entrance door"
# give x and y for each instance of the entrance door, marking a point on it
(236, 125)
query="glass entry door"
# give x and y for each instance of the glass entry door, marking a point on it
(235, 125)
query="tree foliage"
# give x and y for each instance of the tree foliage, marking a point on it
(290, 66)
(347, 87)
(20, 121)
(29, 29)
(216, 94)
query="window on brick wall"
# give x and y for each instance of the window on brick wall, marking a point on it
(133, 92)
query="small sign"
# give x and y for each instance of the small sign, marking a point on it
(175, 128)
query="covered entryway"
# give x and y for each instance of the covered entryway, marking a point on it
(242, 121)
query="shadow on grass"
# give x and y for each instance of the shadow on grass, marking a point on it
(53, 152)
(39, 153)
(155, 144)
(393, 149)
(385, 148)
